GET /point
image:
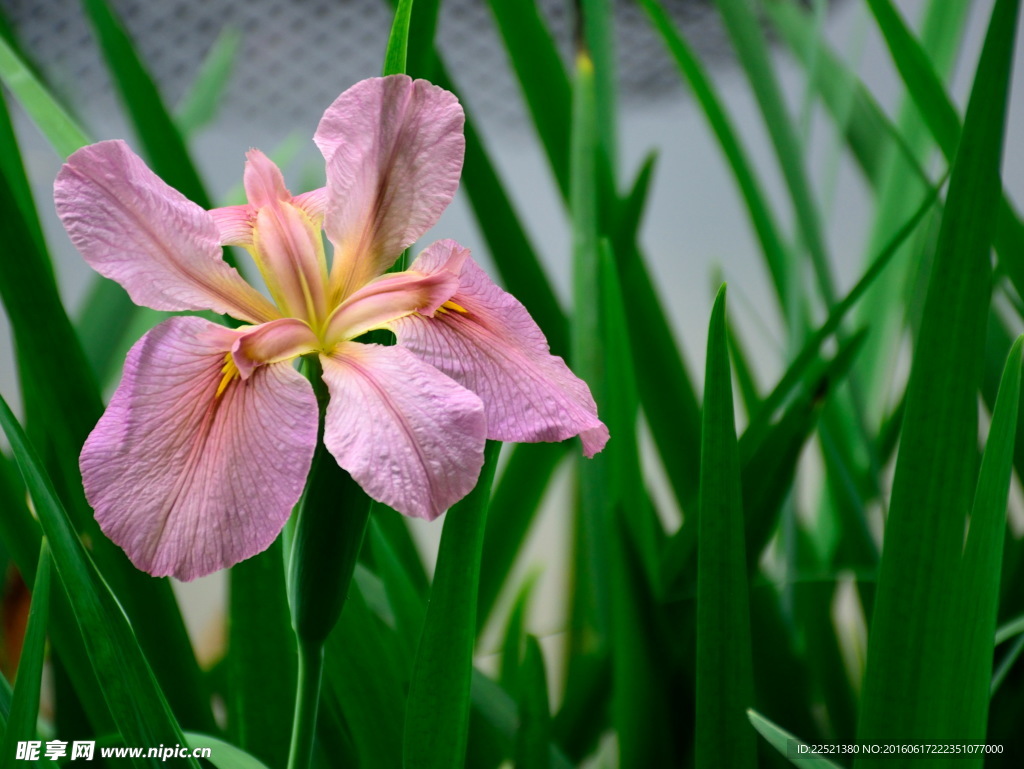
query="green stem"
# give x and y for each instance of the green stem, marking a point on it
(307, 701)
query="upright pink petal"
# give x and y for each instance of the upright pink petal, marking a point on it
(133, 228)
(394, 151)
(491, 345)
(410, 436)
(192, 469)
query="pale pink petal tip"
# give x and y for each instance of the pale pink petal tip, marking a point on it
(491, 345)
(187, 481)
(410, 436)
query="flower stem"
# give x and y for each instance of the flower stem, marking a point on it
(307, 701)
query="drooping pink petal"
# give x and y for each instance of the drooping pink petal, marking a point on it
(133, 228)
(388, 298)
(410, 436)
(189, 481)
(273, 342)
(495, 349)
(394, 150)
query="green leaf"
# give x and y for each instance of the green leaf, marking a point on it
(444, 658)
(752, 50)
(517, 498)
(598, 40)
(499, 711)
(781, 740)
(131, 692)
(365, 677)
(49, 116)
(534, 735)
(798, 368)
(761, 216)
(201, 103)
(937, 109)
(909, 688)
(223, 755)
(724, 668)
(21, 723)
(164, 146)
(398, 40)
(260, 639)
(420, 59)
(977, 589)
(542, 79)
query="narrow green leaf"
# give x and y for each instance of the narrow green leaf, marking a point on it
(598, 37)
(781, 740)
(591, 567)
(534, 735)
(724, 668)
(260, 639)
(398, 40)
(365, 676)
(223, 755)
(870, 134)
(407, 602)
(761, 215)
(160, 137)
(201, 103)
(514, 639)
(1006, 664)
(542, 79)
(884, 305)
(131, 692)
(751, 47)
(977, 588)
(420, 60)
(937, 109)
(499, 711)
(46, 112)
(21, 723)
(517, 497)
(798, 368)
(444, 659)
(909, 687)
(1012, 628)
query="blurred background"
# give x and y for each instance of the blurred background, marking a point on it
(291, 59)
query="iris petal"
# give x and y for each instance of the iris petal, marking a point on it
(133, 228)
(394, 150)
(492, 346)
(192, 469)
(410, 436)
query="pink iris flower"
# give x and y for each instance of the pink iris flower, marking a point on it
(206, 444)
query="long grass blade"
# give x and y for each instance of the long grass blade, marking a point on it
(444, 659)
(911, 673)
(24, 712)
(924, 86)
(781, 740)
(977, 590)
(724, 667)
(131, 692)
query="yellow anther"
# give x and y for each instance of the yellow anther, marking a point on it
(230, 371)
(457, 307)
